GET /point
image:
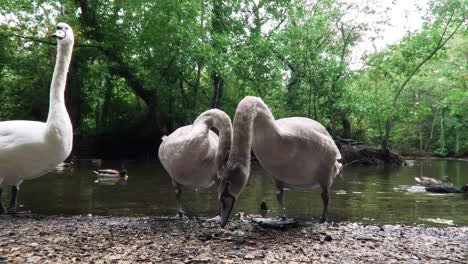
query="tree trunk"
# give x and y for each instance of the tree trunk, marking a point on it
(218, 85)
(104, 121)
(73, 91)
(217, 27)
(347, 127)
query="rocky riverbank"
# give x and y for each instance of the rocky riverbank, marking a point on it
(101, 239)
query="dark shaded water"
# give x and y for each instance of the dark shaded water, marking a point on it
(362, 194)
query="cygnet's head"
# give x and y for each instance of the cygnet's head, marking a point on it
(64, 34)
(232, 182)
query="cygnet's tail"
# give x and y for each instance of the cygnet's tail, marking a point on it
(338, 166)
(163, 137)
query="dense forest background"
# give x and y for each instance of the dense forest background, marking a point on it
(141, 69)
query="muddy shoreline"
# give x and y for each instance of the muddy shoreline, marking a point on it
(105, 239)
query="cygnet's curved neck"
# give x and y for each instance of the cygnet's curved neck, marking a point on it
(57, 109)
(251, 113)
(221, 121)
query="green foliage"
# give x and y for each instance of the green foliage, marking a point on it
(149, 66)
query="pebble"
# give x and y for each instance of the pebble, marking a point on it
(249, 257)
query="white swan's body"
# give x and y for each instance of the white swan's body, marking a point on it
(296, 152)
(30, 149)
(193, 155)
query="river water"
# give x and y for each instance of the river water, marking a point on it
(376, 195)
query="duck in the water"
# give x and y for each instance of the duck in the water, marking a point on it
(122, 173)
(111, 176)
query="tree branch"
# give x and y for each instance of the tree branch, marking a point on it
(52, 43)
(415, 70)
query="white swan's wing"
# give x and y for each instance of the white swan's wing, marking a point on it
(16, 134)
(23, 152)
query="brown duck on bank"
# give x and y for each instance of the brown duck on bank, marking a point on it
(440, 186)
(428, 181)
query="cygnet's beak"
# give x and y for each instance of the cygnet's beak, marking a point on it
(227, 203)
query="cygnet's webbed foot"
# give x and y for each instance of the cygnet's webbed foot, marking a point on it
(15, 212)
(216, 219)
(281, 218)
(323, 219)
(181, 215)
(11, 210)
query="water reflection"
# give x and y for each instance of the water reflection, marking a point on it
(364, 194)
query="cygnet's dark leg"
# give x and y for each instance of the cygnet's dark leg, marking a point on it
(279, 197)
(13, 198)
(325, 199)
(178, 192)
(2, 210)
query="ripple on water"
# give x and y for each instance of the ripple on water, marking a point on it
(409, 188)
(439, 221)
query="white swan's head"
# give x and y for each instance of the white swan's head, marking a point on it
(64, 34)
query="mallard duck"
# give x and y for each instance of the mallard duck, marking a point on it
(427, 181)
(446, 188)
(111, 173)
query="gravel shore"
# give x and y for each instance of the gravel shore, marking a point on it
(102, 239)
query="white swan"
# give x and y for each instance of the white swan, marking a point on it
(295, 151)
(194, 156)
(30, 149)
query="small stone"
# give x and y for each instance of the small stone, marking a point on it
(238, 233)
(328, 238)
(204, 257)
(249, 257)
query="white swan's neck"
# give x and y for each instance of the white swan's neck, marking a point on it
(57, 109)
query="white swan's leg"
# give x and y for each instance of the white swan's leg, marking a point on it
(325, 198)
(13, 199)
(279, 197)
